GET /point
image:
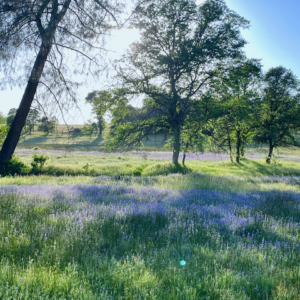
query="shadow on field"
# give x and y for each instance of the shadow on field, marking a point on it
(34, 140)
(110, 238)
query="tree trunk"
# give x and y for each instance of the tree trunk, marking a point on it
(229, 145)
(242, 150)
(19, 121)
(176, 143)
(270, 153)
(238, 145)
(183, 158)
(100, 122)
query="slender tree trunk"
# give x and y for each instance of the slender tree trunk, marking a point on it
(242, 150)
(238, 145)
(100, 126)
(271, 148)
(183, 158)
(229, 145)
(176, 143)
(19, 121)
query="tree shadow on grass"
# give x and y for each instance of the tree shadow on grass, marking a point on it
(108, 237)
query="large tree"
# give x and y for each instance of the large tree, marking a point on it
(277, 117)
(36, 36)
(182, 46)
(238, 95)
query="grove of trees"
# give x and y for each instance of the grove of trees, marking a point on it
(189, 67)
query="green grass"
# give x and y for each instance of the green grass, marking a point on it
(90, 234)
(172, 181)
(68, 163)
(62, 140)
(63, 245)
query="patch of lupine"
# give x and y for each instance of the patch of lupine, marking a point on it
(114, 242)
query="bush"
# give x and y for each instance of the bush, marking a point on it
(88, 169)
(165, 169)
(38, 162)
(15, 166)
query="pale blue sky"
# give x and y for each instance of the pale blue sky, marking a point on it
(274, 33)
(273, 37)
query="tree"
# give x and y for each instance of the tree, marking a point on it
(47, 124)
(32, 119)
(237, 90)
(2, 118)
(223, 134)
(101, 102)
(183, 46)
(278, 114)
(10, 116)
(36, 36)
(89, 128)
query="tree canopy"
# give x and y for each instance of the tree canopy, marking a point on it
(277, 117)
(182, 47)
(237, 92)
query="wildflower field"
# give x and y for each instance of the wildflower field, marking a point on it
(202, 237)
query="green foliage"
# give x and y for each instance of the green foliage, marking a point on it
(237, 90)
(3, 132)
(10, 116)
(89, 129)
(2, 119)
(277, 116)
(101, 102)
(165, 168)
(15, 166)
(178, 55)
(38, 163)
(88, 169)
(32, 119)
(47, 124)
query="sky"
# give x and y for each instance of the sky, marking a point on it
(273, 37)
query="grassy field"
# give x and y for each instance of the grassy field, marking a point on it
(138, 164)
(127, 227)
(195, 236)
(62, 140)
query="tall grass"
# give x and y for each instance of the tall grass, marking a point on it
(117, 242)
(135, 165)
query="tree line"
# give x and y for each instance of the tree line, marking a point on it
(244, 106)
(197, 82)
(189, 66)
(34, 119)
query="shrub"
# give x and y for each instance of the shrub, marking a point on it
(14, 166)
(38, 162)
(88, 169)
(165, 169)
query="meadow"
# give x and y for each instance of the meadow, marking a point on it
(127, 227)
(65, 139)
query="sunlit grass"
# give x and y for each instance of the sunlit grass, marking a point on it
(137, 165)
(114, 242)
(236, 227)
